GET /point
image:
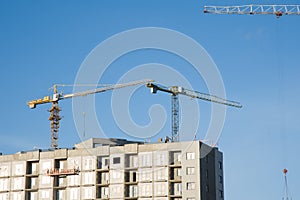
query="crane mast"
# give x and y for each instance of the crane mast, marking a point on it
(55, 117)
(277, 10)
(175, 91)
(286, 195)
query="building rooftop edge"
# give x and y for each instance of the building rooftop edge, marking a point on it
(97, 142)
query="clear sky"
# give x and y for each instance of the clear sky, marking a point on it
(45, 42)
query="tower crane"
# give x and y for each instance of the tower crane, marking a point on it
(277, 10)
(175, 91)
(55, 109)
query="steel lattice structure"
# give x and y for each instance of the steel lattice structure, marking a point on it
(55, 109)
(277, 10)
(178, 90)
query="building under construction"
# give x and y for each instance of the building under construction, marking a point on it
(115, 169)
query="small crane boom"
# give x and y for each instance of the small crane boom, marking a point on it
(277, 10)
(175, 91)
(55, 109)
(206, 97)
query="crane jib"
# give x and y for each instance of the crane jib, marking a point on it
(175, 91)
(55, 109)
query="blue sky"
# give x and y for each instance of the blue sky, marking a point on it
(45, 42)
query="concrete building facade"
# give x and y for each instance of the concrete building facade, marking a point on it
(114, 169)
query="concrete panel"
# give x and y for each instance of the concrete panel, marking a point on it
(88, 178)
(4, 184)
(4, 196)
(46, 164)
(161, 189)
(145, 189)
(145, 159)
(161, 173)
(73, 193)
(117, 161)
(116, 176)
(45, 194)
(131, 148)
(74, 162)
(74, 180)
(6, 158)
(33, 155)
(47, 155)
(98, 151)
(18, 183)
(87, 152)
(61, 153)
(146, 148)
(88, 193)
(45, 181)
(18, 168)
(73, 153)
(145, 174)
(17, 195)
(160, 158)
(116, 191)
(89, 163)
(5, 169)
(20, 156)
(103, 151)
(160, 147)
(117, 150)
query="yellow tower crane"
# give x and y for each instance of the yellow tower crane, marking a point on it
(55, 109)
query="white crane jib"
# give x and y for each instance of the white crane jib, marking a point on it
(175, 91)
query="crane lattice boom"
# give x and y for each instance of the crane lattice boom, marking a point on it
(206, 97)
(55, 109)
(175, 91)
(277, 10)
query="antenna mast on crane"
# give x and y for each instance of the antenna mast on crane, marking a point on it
(175, 91)
(55, 109)
(287, 195)
(277, 10)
